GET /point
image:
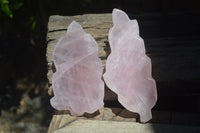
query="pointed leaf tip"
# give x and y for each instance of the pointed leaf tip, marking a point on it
(75, 24)
(75, 27)
(119, 16)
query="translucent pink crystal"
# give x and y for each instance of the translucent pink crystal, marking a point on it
(77, 83)
(128, 69)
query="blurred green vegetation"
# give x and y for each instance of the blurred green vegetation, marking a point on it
(8, 8)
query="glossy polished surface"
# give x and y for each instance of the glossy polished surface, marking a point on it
(77, 83)
(128, 69)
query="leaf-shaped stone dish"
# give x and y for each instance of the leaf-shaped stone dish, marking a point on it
(77, 83)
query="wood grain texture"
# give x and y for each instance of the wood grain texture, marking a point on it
(95, 24)
(61, 119)
(94, 126)
(175, 53)
(172, 46)
(67, 124)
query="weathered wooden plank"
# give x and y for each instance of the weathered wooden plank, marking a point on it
(175, 60)
(96, 24)
(174, 57)
(94, 126)
(62, 118)
(123, 116)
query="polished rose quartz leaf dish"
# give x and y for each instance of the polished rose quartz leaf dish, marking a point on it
(128, 69)
(77, 83)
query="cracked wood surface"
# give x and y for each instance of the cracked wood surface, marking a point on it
(94, 126)
(97, 25)
(122, 121)
(175, 60)
(173, 47)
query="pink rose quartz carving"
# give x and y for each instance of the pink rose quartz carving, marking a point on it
(77, 83)
(128, 69)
